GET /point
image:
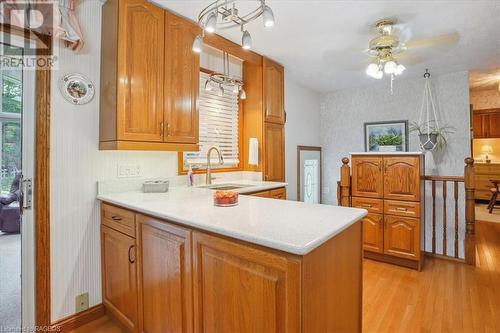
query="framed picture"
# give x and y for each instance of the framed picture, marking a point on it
(386, 136)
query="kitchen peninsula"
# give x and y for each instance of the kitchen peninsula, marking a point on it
(175, 262)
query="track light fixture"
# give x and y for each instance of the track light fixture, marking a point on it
(224, 14)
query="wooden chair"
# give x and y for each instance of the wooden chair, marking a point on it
(494, 194)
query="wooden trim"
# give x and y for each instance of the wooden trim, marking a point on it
(142, 145)
(443, 257)
(310, 148)
(414, 264)
(78, 319)
(486, 111)
(42, 192)
(444, 178)
(223, 44)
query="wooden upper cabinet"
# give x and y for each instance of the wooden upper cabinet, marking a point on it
(479, 125)
(165, 277)
(141, 38)
(239, 288)
(402, 237)
(494, 125)
(274, 152)
(182, 77)
(486, 123)
(367, 177)
(402, 178)
(274, 104)
(119, 276)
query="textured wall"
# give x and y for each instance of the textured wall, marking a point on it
(344, 112)
(76, 165)
(485, 99)
(302, 128)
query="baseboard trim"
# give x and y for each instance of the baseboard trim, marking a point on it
(78, 319)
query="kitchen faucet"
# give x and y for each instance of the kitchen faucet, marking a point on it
(209, 171)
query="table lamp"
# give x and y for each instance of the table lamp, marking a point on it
(486, 149)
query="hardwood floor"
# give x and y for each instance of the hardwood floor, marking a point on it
(445, 297)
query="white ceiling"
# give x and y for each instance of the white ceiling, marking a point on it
(321, 43)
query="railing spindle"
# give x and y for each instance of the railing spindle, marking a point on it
(470, 214)
(433, 216)
(445, 190)
(455, 184)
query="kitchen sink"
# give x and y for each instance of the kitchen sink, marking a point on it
(225, 187)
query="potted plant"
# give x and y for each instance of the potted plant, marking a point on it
(389, 142)
(432, 136)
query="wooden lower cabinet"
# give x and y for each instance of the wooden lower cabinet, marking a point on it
(402, 237)
(238, 288)
(373, 233)
(279, 193)
(119, 276)
(164, 275)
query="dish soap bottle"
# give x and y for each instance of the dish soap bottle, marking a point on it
(190, 176)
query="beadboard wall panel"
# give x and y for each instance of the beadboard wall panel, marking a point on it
(76, 166)
(344, 112)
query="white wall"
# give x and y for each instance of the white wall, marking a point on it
(344, 112)
(301, 128)
(76, 164)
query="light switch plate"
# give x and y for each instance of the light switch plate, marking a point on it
(82, 302)
(129, 171)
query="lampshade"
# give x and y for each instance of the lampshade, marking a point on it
(486, 149)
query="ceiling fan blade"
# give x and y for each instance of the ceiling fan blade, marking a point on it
(440, 40)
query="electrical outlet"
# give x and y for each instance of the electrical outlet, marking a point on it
(82, 302)
(129, 170)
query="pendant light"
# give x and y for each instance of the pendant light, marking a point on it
(246, 40)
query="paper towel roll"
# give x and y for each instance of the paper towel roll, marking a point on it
(253, 151)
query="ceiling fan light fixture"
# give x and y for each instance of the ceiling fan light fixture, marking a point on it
(372, 69)
(378, 75)
(197, 44)
(211, 23)
(390, 67)
(246, 40)
(268, 17)
(399, 69)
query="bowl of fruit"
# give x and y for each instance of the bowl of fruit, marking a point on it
(225, 198)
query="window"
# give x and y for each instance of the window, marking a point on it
(219, 126)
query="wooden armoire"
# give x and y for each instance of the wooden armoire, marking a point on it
(392, 188)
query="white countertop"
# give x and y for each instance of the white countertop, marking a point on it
(289, 226)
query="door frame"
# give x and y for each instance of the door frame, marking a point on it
(41, 191)
(310, 148)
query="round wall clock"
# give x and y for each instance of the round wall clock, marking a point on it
(77, 89)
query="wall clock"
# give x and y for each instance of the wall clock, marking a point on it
(76, 88)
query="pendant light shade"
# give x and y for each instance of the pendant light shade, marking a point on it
(208, 87)
(268, 17)
(246, 40)
(211, 23)
(390, 67)
(243, 94)
(372, 69)
(197, 44)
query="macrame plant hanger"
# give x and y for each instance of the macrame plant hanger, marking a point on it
(427, 105)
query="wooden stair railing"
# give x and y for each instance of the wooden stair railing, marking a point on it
(344, 199)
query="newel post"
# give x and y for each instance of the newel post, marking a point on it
(470, 214)
(345, 183)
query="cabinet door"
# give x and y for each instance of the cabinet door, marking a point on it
(182, 77)
(119, 276)
(402, 237)
(140, 71)
(274, 152)
(239, 288)
(279, 193)
(494, 125)
(367, 177)
(479, 126)
(165, 278)
(274, 104)
(373, 233)
(402, 178)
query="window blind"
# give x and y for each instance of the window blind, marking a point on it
(218, 126)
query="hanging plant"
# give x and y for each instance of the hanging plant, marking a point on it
(431, 135)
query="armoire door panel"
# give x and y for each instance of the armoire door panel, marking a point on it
(164, 277)
(182, 76)
(402, 178)
(140, 71)
(367, 177)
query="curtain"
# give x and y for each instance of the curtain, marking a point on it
(56, 18)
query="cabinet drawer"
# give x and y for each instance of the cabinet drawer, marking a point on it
(279, 193)
(118, 218)
(402, 208)
(370, 204)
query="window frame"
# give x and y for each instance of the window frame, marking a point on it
(180, 155)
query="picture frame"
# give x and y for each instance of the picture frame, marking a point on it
(386, 136)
